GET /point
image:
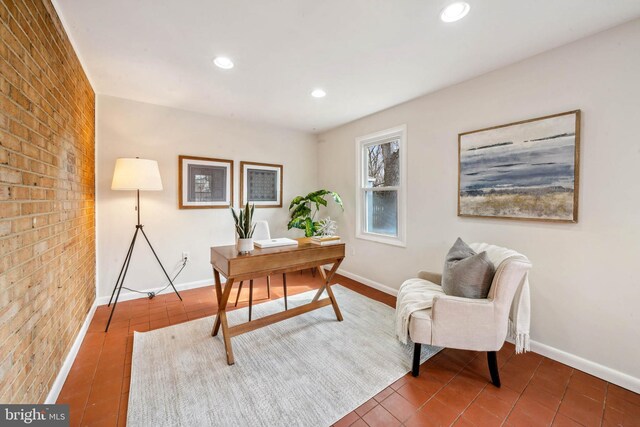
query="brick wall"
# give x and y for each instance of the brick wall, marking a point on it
(47, 230)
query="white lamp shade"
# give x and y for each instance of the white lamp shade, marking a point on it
(136, 174)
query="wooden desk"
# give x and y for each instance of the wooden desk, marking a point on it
(228, 262)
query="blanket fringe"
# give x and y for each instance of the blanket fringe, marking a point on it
(521, 339)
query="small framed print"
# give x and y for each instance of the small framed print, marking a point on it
(261, 184)
(204, 183)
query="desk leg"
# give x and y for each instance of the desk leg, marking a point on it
(221, 318)
(327, 286)
(218, 287)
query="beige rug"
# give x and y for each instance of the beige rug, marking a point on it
(309, 370)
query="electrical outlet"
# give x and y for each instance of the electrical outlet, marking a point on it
(185, 255)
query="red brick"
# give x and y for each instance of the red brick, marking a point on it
(46, 208)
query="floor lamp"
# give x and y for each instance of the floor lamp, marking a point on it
(135, 175)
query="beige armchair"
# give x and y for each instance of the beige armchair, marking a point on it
(469, 324)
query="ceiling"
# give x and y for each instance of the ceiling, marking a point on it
(367, 54)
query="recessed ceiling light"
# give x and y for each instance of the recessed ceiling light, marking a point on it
(223, 62)
(318, 93)
(455, 11)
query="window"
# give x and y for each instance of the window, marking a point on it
(381, 186)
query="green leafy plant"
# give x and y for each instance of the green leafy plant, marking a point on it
(244, 221)
(303, 210)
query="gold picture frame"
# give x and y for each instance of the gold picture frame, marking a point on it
(209, 171)
(526, 170)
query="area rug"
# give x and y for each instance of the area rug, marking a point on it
(310, 370)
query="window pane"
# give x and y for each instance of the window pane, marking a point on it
(381, 209)
(383, 165)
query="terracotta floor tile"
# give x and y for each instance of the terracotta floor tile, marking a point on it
(366, 407)
(588, 385)
(126, 382)
(380, 417)
(107, 420)
(512, 377)
(555, 388)
(523, 419)
(564, 421)
(530, 412)
(161, 315)
(107, 392)
(494, 404)
(450, 382)
(77, 403)
(629, 396)
(620, 403)
(461, 422)
(581, 408)
(400, 382)
(75, 416)
(347, 420)
(414, 394)
(503, 393)
(477, 415)
(158, 324)
(430, 384)
(72, 389)
(433, 413)
(613, 417)
(140, 327)
(107, 408)
(541, 395)
(399, 407)
(383, 394)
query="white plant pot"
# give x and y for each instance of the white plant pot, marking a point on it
(245, 245)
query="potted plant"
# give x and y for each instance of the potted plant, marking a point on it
(244, 228)
(305, 208)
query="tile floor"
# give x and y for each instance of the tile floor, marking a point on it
(452, 389)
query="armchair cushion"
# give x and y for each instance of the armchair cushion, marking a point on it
(466, 273)
(420, 326)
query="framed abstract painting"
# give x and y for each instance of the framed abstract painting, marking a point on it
(261, 184)
(526, 170)
(204, 183)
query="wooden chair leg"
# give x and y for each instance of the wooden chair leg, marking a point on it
(492, 359)
(284, 285)
(415, 370)
(250, 297)
(238, 296)
(268, 287)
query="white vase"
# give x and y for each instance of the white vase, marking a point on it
(245, 245)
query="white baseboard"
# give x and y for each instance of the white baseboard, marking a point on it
(588, 366)
(71, 357)
(126, 296)
(375, 285)
(577, 362)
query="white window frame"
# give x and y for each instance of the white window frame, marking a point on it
(396, 133)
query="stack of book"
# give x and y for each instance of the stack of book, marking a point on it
(325, 240)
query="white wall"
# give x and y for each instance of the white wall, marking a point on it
(585, 283)
(127, 129)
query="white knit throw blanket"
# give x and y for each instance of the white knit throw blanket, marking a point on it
(413, 295)
(417, 294)
(520, 314)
